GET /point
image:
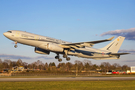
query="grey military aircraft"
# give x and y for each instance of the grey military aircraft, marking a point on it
(45, 45)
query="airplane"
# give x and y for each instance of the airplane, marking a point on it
(45, 45)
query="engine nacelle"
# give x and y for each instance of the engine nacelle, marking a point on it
(41, 51)
(53, 47)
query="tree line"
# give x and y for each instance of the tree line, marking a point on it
(84, 65)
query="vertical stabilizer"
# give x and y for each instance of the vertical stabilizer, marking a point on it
(115, 45)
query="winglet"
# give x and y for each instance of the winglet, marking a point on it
(111, 38)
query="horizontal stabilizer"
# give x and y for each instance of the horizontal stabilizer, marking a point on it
(119, 53)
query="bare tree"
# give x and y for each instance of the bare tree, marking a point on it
(79, 65)
(39, 65)
(52, 67)
(14, 63)
(117, 66)
(94, 67)
(102, 67)
(1, 65)
(19, 62)
(62, 67)
(87, 65)
(106, 65)
(68, 66)
(34, 65)
(125, 67)
(25, 65)
(6, 63)
(46, 66)
(0, 61)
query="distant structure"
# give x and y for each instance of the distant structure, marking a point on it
(132, 70)
(17, 69)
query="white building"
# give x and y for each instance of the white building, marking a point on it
(132, 68)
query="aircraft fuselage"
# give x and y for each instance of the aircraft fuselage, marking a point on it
(54, 45)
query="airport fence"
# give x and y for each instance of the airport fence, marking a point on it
(56, 74)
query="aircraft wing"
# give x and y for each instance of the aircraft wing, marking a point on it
(82, 44)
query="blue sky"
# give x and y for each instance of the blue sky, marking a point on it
(69, 20)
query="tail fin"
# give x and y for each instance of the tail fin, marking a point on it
(115, 45)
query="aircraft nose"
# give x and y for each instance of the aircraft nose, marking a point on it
(5, 34)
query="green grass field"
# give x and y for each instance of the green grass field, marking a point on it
(69, 85)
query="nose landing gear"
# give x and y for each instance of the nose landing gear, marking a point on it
(15, 44)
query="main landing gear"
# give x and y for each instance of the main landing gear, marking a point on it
(15, 44)
(67, 58)
(64, 56)
(58, 57)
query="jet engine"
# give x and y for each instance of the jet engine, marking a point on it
(41, 51)
(53, 47)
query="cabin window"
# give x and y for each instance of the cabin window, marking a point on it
(9, 31)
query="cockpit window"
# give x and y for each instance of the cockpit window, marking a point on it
(9, 31)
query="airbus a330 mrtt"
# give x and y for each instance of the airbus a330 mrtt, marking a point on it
(45, 45)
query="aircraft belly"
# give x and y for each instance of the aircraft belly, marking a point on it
(88, 55)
